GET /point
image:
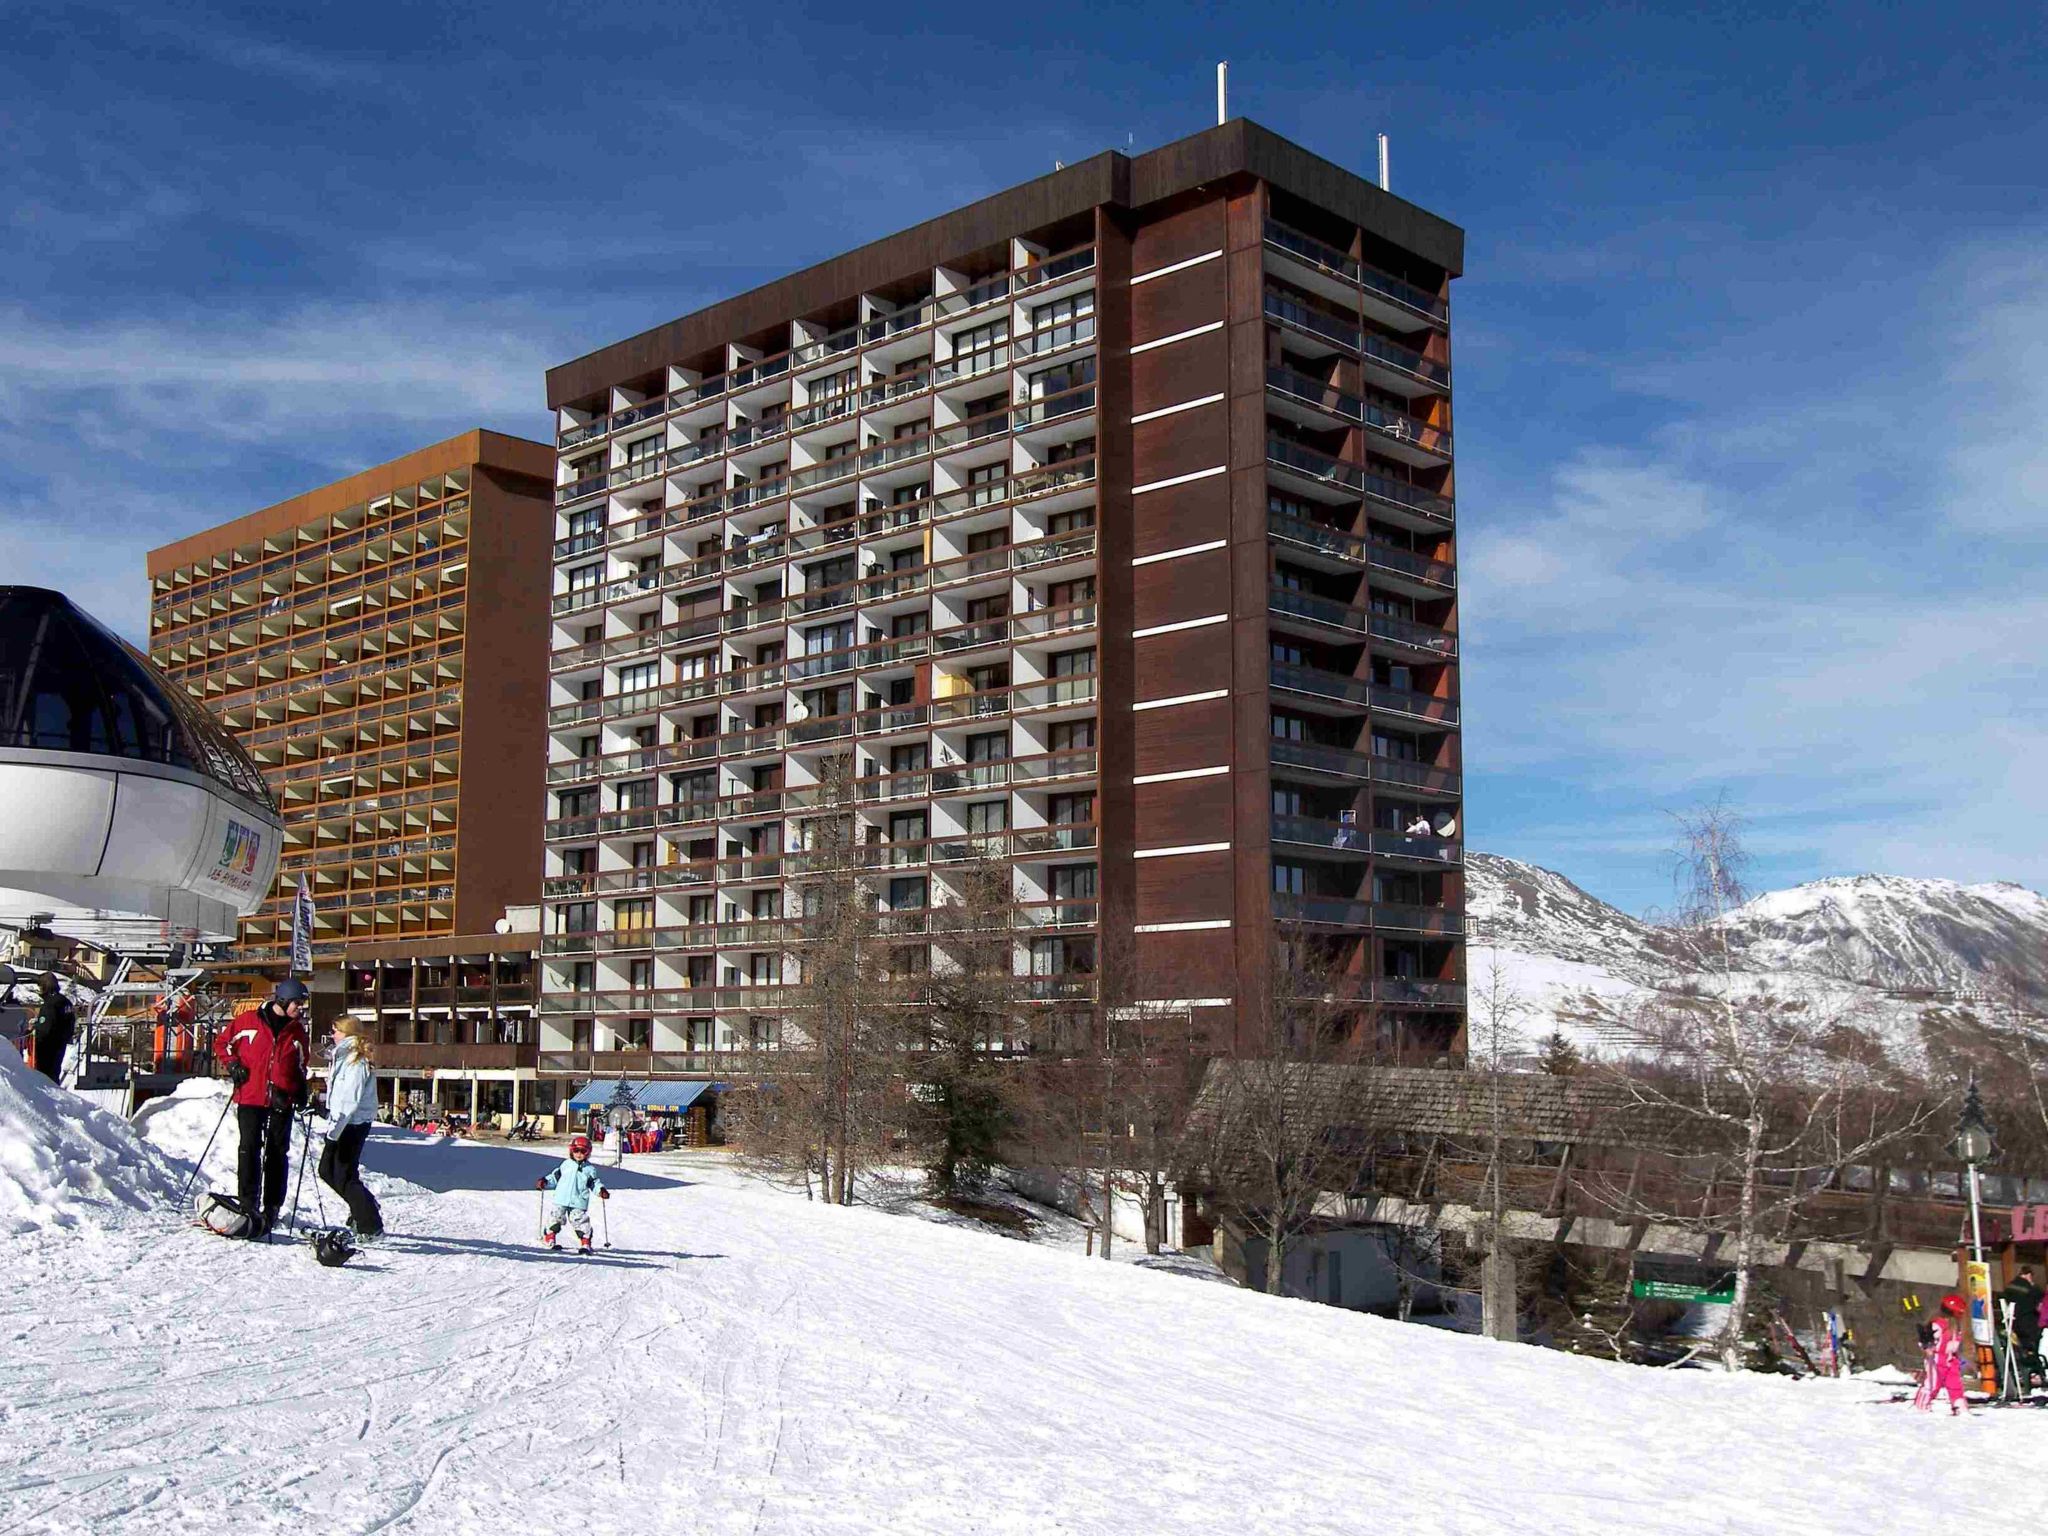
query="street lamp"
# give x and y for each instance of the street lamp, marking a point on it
(1974, 1145)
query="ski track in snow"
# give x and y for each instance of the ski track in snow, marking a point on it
(747, 1362)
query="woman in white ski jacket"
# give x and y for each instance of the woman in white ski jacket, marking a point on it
(351, 1107)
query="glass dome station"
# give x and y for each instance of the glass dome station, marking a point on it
(119, 796)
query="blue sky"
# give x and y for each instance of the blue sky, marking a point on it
(1752, 354)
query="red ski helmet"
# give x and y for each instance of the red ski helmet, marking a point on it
(1954, 1305)
(579, 1144)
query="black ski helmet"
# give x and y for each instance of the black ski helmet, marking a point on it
(291, 990)
(334, 1246)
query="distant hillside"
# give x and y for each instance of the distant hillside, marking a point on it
(1914, 960)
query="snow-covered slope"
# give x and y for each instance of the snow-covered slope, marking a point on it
(1900, 933)
(1893, 955)
(746, 1362)
(64, 1162)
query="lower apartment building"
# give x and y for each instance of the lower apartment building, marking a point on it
(379, 646)
(1106, 524)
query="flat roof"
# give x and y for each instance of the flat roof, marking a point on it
(1238, 147)
(478, 447)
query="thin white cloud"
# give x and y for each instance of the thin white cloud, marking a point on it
(1798, 604)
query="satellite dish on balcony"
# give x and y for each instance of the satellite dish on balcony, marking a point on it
(126, 812)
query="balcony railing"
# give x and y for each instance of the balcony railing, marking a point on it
(1329, 259)
(1416, 992)
(1360, 551)
(1406, 364)
(1340, 912)
(1356, 477)
(1353, 690)
(1397, 425)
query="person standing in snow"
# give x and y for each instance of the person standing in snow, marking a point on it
(351, 1107)
(2025, 1298)
(56, 1027)
(264, 1051)
(573, 1184)
(1945, 1357)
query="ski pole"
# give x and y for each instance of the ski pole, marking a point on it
(304, 1156)
(604, 1214)
(541, 1231)
(185, 1194)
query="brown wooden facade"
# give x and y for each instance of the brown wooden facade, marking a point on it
(378, 644)
(1144, 467)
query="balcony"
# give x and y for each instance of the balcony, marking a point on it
(1404, 301)
(1340, 912)
(1416, 992)
(1320, 684)
(1406, 503)
(424, 1058)
(1397, 434)
(1395, 368)
(1394, 632)
(1330, 548)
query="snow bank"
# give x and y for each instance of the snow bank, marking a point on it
(179, 1125)
(65, 1163)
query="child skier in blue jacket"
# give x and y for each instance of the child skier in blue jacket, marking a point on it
(573, 1184)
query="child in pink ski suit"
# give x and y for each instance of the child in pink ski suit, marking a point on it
(1945, 1357)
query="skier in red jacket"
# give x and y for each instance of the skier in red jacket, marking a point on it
(264, 1051)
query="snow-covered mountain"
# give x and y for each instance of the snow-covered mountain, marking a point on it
(1904, 952)
(1896, 932)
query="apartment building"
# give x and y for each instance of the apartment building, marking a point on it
(379, 646)
(1106, 524)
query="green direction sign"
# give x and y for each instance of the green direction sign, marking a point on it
(1644, 1289)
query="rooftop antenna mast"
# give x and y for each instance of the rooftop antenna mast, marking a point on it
(1223, 93)
(1383, 162)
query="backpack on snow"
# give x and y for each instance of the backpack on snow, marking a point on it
(222, 1214)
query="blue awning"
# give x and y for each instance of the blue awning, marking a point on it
(657, 1098)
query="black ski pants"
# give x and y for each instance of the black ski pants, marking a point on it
(341, 1171)
(265, 1155)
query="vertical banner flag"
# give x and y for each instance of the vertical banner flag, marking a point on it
(302, 930)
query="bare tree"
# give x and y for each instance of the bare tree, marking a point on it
(1738, 1074)
(826, 1092)
(1291, 1118)
(1493, 1034)
(963, 1108)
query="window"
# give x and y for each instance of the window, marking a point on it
(828, 637)
(635, 794)
(1079, 666)
(1286, 801)
(1289, 727)
(1070, 736)
(1063, 311)
(904, 624)
(1289, 879)
(1070, 810)
(639, 676)
(1288, 653)
(987, 816)
(981, 346)
(912, 758)
(577, 917)
(917, 490)
(589, 520)
(584, 578)
(1066, 594)
(986, 483)
(992, 747)
(831, 385)
(1073, 882)
(640, 450)
(907, 827)
(583, 976)
(1065, 376)
(643, 855)
(764, 905)
(1069, 522)
(586, 748)
(640, 973)
(907, 892)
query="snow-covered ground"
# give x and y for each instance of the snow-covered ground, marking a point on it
(742, 1361)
